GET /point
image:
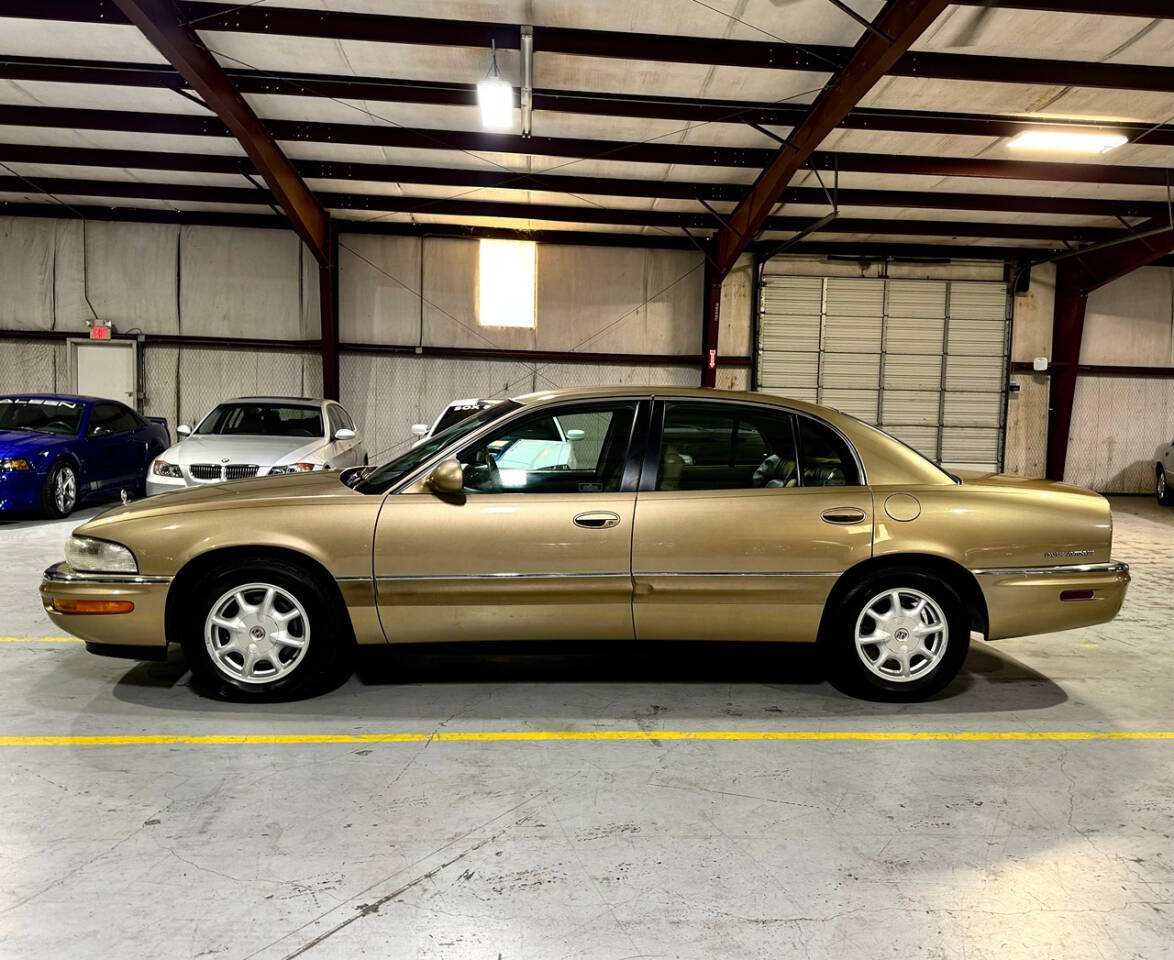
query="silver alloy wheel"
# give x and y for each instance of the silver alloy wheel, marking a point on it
(65, 490)
(257, 633)
(901, 634)
(1161, 484)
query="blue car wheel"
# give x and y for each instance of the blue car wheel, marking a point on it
(60, 493)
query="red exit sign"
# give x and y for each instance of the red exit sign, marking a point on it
(100, 331)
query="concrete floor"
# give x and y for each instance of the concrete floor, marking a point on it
(657, 848)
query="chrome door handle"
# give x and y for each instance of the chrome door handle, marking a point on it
(597, 521)
(843, 515)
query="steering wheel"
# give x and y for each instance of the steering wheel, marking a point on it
(485, 475)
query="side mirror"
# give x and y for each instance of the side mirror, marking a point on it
(575, 434)
(183, 430)
(419, 429)
(448, 478)
(344, 433)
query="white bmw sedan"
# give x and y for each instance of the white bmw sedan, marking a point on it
(257, 437)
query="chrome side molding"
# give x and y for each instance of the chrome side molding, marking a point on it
(1114, 566)
(60, 573)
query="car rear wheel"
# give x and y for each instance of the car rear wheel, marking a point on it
(899, 636)
(1165, 494)
(59, 496)
(264, 630)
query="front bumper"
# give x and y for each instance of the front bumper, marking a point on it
(1025, 601)
(138, 634)
(20, 490)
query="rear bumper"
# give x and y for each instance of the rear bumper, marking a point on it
(138, 634)
(1025, 601)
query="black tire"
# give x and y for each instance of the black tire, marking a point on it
(845, 666)
(329, 650)
(1165, 492)
(61, 473)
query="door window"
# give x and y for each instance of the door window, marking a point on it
(334, 420)
(825, 457)
(709, 446)
(107, 419)
(580, 449)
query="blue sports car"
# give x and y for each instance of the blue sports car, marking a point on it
(57, 450)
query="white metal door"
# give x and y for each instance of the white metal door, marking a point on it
(924, 359)
(109, 370)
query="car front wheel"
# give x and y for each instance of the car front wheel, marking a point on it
(899, 636)
(264, 630)
(59, 496)
(1165, 495)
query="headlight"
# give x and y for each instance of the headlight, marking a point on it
(162, 468)
(12, 465)
(295, 468)
(87, 555)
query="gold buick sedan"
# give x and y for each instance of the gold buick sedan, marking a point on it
(646, 514)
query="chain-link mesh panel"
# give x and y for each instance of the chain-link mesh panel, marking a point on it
(161, 384)
(1111, 447)
(556, 375)
(33, 366)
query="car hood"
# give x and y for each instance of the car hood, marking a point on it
(22, 443)
(263, 451)
(313, 488)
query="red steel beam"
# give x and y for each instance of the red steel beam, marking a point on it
(160, 22)
(900, 23)
(688, 109)
(574, 41)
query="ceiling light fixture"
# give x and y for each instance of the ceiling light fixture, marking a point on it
(1067, 142)
(496, 98)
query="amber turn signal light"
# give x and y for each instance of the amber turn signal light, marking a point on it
(71, 605)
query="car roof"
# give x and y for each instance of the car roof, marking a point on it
(304, 401)
(76, 397)
(705, 393)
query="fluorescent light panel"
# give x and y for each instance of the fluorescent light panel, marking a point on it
(1063, 141)
(506, 274)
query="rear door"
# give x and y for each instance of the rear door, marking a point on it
(538, 546)
(746, 516)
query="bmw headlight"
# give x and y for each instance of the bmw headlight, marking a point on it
(87, 555)
(161, 468)
(296, 468)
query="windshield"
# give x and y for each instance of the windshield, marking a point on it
(41, 415)
(379, 479)
(263, 419)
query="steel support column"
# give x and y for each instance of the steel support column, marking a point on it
(328, 305)
(711, 325)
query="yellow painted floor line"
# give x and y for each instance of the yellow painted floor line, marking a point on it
(41, 640)
(531, 736)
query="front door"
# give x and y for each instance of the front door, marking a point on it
(114, 451)
(746, 516)
(538, 547)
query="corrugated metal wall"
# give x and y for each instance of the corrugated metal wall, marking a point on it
(924, 358)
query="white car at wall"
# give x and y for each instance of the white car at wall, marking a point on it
(551, 449)
(257, 437)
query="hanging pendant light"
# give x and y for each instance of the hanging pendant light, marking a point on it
(496, 98)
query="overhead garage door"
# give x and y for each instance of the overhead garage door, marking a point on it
(924, 359)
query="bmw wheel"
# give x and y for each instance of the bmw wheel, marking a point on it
(900, 636)
(1165, 494)
(59, 496)
(264, 630)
